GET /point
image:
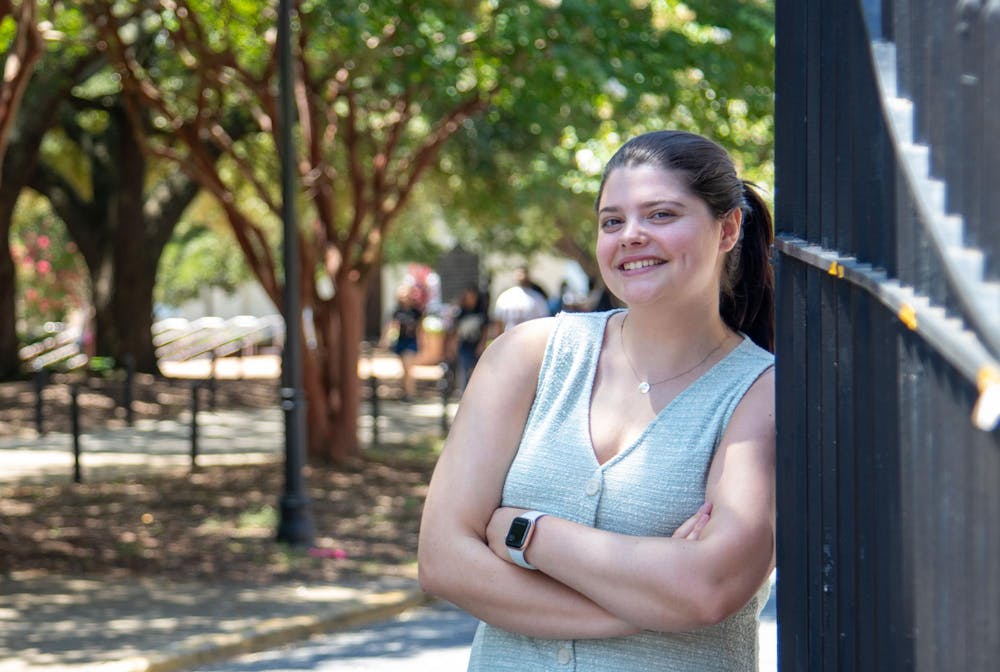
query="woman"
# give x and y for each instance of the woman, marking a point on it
(605, 499)
(404, 331)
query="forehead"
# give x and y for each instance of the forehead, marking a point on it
(630, 184)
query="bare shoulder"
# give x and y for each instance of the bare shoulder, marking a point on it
(757, 406)
(522, 348)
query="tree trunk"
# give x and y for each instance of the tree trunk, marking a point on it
(331, 383)
(35, 116)
(121, 231)
(134, 259)
(10, 362)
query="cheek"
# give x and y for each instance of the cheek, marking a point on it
(604, 250)
(690, 242)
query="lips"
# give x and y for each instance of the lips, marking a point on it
(641, 263)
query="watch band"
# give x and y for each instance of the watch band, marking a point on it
(517, 549)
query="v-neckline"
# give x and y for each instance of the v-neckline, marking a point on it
(594, 365)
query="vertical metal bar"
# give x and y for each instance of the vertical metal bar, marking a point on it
(373, 387)
(211, 380)
(791, 216)
(984, 501)
(971, 180)
(912, 494)
(295, 526)
(828, 92)
(848, 386)
(74, 410)
(813, 441)
(791, 467)
(812, 139)
(870, 412)
(829, 475)
(888, 622)
(195, 387)
(39, 381)
(127, 392)
(989, 104)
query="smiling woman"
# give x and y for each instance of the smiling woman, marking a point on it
(606, 495)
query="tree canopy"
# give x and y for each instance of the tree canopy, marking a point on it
(500, 112)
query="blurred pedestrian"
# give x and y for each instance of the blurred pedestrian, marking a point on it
(403, 335)
(469, 333)
(520, 303)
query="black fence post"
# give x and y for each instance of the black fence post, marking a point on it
(211, 382)
(367, 352)
(373, 387)
(195, 387)
(74, 410)
(127, 392)
(40, 380)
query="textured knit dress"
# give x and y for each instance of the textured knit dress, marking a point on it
(649, 489)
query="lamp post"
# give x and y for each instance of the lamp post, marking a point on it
(295, 526)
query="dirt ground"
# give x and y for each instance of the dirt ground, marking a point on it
(218, 523)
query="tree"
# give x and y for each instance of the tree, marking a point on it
(66, 62)
(119, 216)
(381, 87)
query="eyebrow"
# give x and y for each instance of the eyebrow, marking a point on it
(647, 204)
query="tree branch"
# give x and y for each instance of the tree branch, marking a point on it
(19, 63)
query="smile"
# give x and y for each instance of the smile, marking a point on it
(645, 263)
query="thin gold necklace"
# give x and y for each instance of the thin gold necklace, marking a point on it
(644, 385)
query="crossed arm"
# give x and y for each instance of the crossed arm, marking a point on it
(591, 583)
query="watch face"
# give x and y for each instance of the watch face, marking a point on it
(518, 531)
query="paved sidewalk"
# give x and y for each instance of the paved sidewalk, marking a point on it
(78, 623)
(224, 437)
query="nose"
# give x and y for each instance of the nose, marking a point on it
(632, 233)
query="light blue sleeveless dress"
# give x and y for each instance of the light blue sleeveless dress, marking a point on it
(648, 489)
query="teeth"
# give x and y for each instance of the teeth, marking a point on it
(634, 265)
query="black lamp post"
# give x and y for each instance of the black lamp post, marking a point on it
(295, 527)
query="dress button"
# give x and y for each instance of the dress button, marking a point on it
(593, 486)
(565, 655)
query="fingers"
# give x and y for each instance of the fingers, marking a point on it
(692, 527)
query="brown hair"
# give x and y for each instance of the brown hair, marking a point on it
(746, 296)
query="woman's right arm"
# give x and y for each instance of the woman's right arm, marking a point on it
(455, 562)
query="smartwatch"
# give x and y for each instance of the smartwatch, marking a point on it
(519, 535)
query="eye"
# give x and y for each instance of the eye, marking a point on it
(661, 215)
(611, 224)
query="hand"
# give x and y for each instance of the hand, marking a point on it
(497, 528)
(691, 529)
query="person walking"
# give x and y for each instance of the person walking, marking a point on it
(605, 498)
(403, 334)
(469, 334)
(524, 301)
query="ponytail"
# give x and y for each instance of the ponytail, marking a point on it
(747, 300)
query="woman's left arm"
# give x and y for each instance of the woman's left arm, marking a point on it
(677, 583)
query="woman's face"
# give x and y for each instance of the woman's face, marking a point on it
(657, 240)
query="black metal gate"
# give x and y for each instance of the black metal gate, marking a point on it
(888, 258)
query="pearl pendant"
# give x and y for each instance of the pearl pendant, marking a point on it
(643, 387)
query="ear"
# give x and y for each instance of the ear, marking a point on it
(729, 232)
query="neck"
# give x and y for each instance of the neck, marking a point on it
(669, 338)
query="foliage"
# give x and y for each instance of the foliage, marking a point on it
(49, 268)
(499, 114)
(200, 254)
(704, 67)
